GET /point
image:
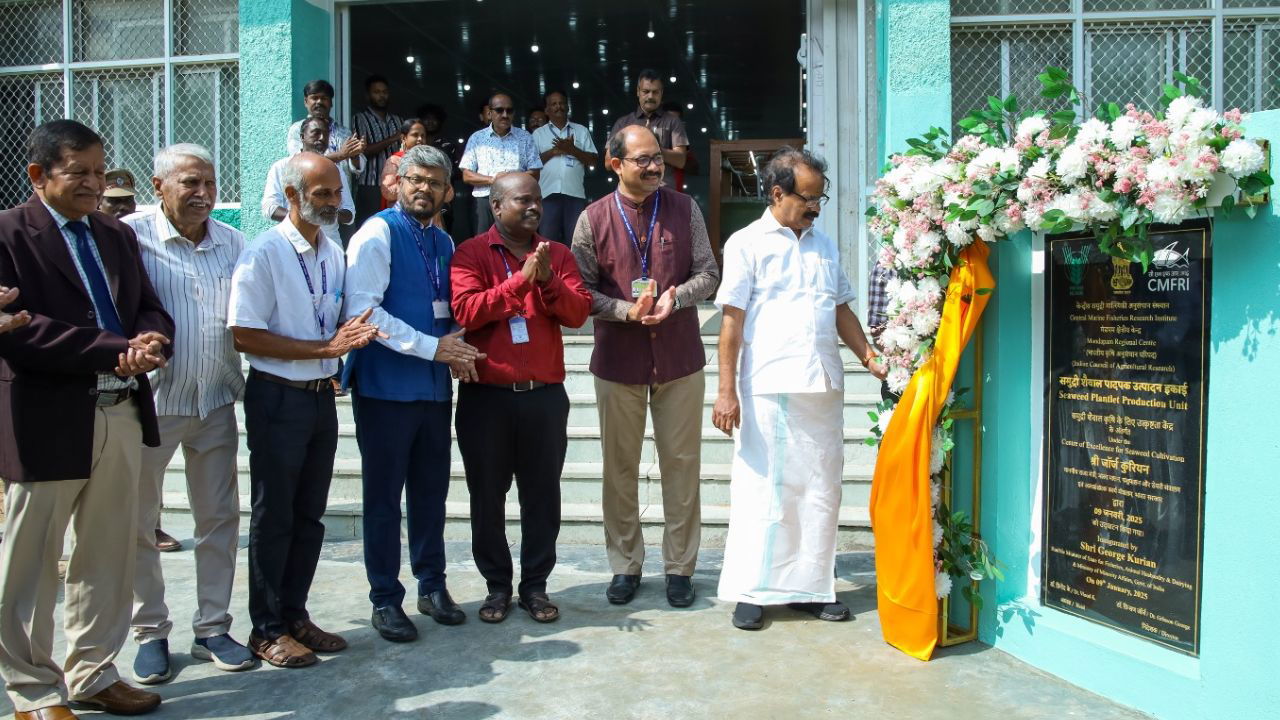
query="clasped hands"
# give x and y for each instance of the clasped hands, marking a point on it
(459, 356)
(537, 264)
(352, 334)
(143, 356)
(646, 311)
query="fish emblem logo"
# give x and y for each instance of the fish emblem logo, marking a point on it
(1169, 257)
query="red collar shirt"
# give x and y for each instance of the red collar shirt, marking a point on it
(486, 297)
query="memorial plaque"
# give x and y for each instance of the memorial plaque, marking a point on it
(1127, 378)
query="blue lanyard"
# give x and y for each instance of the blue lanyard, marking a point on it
(503, 255)
(324, 288)
(635, 241)
(418, 234)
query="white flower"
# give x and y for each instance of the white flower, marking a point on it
(927, 244)
(1039, 168)
(935, 493)
(936, 455)
(1162, 170)
(897, 378)
(1200, 119)
(1072, 164)
(900, 239)
(905, 292)
(929, 290)
(1032, 126)
(927, 179)
(898, 337)
(956, 234)
(1180, 110)
(1092, 132)
(1123, 131)
(1242, 157)
(925, 322)
(987, 233)
(883, 422)
(1169, 208)
(937, 533)
(942, 585)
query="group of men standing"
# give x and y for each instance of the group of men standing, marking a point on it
(124, 346)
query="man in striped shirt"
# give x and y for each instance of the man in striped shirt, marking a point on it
(189, 257)
(380, 130)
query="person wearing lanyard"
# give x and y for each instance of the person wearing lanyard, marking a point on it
(286, 301)
(398, 270)
(566, 150)
(648, 355)
(512, 290)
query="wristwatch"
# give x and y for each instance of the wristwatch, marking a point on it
(676, 306)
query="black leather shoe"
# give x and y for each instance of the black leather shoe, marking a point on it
(830, 612)
(748, 617)
(679, 591)
(438, 606)
(392, 624)
(622, 589)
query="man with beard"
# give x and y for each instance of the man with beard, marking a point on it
(493, 151)
(286, 301)
(275, 201)
(399, 270)
(642, 242)
(668, 128)
(512, 290)
(566, 150)
(380, 129)
(188, 256)
(341, 146)
(785, 301)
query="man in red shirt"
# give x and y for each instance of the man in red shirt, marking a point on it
(512, 290)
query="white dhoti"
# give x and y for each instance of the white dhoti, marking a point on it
(785, 500)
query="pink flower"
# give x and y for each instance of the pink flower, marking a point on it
(1123, 186)
(1233, 116)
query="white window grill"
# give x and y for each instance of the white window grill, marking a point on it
(143, 73)
(1116, 50)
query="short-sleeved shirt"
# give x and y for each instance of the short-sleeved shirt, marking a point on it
(489, 153)
(563, 174)
(790, 288)
(667, 127)
(270, 290)
(337, 135)
(374, 129)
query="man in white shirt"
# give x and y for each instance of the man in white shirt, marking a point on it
(785, 302)
(495, 150)
(286, 302)
(342, 146)
(189, 258)
(566, 150)
(275, 204)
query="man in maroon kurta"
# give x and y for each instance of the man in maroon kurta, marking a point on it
(644, 253)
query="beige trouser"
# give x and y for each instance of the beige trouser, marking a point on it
(209, 451)
(677, 432)
(101, 511)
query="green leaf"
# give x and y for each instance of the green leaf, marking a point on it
(983, 206)
(1063, 117)
(983, 291)
(1011, 104)
(1172, 91)
(1251, 211)
(994, 103)
(1053, 217)
(1228, 204)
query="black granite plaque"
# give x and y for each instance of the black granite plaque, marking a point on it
(1126, 384)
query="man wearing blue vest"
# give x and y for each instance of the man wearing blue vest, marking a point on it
(398, 267)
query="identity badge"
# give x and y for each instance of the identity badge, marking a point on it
(519, 330)
(638, 286)
(440, 309)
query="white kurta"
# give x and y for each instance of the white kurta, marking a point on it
(789, 452)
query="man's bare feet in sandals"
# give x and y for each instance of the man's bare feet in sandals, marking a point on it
(495, 607)
(539, 607)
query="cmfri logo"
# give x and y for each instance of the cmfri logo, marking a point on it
(1170, 269)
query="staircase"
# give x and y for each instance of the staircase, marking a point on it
(580, 481)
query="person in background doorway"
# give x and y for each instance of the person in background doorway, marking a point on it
(668, 128)
(537, 118)
(314, 134)
(120, 197)
(484, 114)
(566, 150)
(644, 253)
(785, 301)
(414, 132)
(493, 151)
(342, 146)
(457, 213)
(512, 290)
(691, 166)
(382, 133)
(189, 257)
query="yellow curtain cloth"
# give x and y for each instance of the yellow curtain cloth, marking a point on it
(900, 508)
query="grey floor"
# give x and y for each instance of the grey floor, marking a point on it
(644, 660)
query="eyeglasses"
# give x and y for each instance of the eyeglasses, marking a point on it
(812, 202)
(502, 110)
(419, 181)
(644, 161)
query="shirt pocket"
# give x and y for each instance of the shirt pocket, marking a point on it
(826, 277)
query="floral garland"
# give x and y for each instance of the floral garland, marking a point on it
(1116, 173)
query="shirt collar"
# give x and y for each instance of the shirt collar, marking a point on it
(58, 218)
(494, 133)
(655, 115)
(772, 225)
(628, 202)
(299, 243)
(166, 230)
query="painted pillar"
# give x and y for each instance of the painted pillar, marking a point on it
(915, 55)
(1234, 676)
(283, 45)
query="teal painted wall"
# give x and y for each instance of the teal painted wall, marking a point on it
(230, 216)
(283, 45)
(914, 50)
(1234, 677)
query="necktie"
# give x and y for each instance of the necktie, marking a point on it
(97, 281)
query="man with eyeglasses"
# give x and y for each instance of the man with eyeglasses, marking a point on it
(645, 255)
(398, 267)
(493, 151)
(785, 302)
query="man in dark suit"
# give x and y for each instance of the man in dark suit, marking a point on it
(75, 410)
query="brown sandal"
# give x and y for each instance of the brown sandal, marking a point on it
(283, 652)
(495, 607)
(540, 607)
(306, 632)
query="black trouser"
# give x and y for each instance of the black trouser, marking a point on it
(560, 216)
(484, 214)
(292, 436)
(404, 448)
(501, 434)
(368, 202)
